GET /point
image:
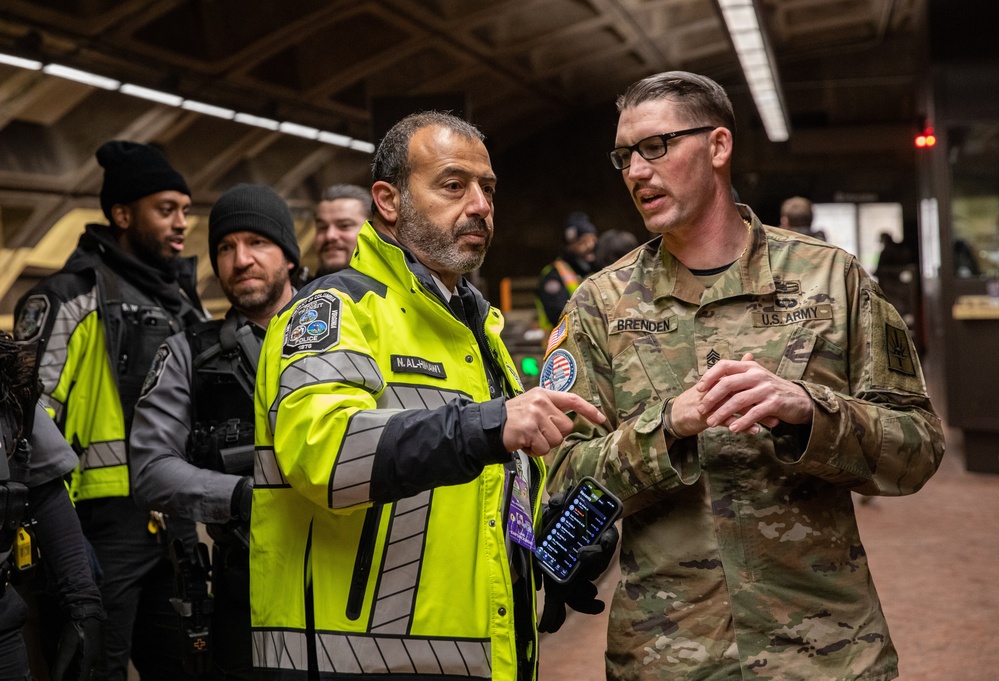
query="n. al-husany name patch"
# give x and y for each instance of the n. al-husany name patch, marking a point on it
(411, 364)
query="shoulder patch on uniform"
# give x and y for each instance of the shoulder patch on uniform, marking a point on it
(314, 325)
(32, 320)
(155, 370)
(559, 371)
(899, 350)
(557, 336)
(553, 286)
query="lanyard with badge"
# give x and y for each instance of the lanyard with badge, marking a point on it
(520, 519)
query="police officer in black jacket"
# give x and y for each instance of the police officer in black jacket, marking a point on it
(191, 448)
(34, 457)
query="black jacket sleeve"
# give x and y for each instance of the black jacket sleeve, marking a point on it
(60, 539)
(450, 445)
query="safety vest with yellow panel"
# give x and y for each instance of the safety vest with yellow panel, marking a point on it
(380, 505)
(98, 333)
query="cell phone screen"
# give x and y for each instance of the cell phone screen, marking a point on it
(588, 510)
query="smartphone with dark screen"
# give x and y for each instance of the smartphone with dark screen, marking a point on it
(587, 511)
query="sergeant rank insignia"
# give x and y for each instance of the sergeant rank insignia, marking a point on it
(559, 371)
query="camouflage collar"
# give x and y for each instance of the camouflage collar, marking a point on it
(750, 275)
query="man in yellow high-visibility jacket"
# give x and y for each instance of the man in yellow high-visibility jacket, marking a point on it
(396, 478)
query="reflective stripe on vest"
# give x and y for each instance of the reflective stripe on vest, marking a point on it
(266, 472)
(392, 612)
(344, 366)
(368, 654)
(103, 455)
(68, 317)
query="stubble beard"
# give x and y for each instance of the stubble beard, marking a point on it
(417, 232)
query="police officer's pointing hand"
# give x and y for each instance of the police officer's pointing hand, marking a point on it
(536, 420)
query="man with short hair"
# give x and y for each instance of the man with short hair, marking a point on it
(387, 411)
(751, 379)
(192, 440)
(98, 322)
(560, 278)
(339, 216)
(796, 215)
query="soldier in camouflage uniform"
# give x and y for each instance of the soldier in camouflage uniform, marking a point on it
(751, 378)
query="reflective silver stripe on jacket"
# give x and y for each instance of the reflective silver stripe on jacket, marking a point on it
(416, 397)
(343, 366)
(103, 455)
(350, 483)
(280, 649)
(266, 472)
(393, 608)
(68, 317)
(368, 654)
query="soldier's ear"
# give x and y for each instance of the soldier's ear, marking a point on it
(387, 199)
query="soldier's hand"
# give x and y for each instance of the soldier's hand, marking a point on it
(742, 394)
(536, 420)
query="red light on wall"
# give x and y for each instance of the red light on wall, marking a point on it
(926, 139)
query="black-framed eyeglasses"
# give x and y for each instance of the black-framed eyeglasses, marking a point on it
(650, 148)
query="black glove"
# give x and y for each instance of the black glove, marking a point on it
(579, 593)
(242, 499)
(80, 642)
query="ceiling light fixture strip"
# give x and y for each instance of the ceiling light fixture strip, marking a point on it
(743, 24)
(204, 108)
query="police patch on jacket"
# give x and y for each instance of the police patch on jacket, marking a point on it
(559, 371)
(411, 364)
(32, 319)
(155, 370)
(314, 325)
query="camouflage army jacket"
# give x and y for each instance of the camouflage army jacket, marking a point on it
(740, 554)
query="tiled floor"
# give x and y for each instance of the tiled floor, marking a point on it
(935, 560)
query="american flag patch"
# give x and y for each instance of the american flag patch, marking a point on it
(557, 336)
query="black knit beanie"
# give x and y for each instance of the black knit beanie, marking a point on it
(252, 208)
(133, 171)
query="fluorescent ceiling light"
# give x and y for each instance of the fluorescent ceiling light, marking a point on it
(81, 76)
(360, 145)
(105, 83)
(151, 95)
(333, 138)
(299, 130)
(208, 109)
(19, 62)
(743, 24)
(258, 121)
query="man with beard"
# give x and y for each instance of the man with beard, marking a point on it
(751, 379)
(98, 322)
(339, 216)
(192, 439)
(391, 429)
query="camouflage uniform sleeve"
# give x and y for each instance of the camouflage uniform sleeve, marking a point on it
(631, 456)
(884, 437)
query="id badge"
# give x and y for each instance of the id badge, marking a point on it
(520, 522)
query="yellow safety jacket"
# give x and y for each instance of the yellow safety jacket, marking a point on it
(378, 540)
(98, 322)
